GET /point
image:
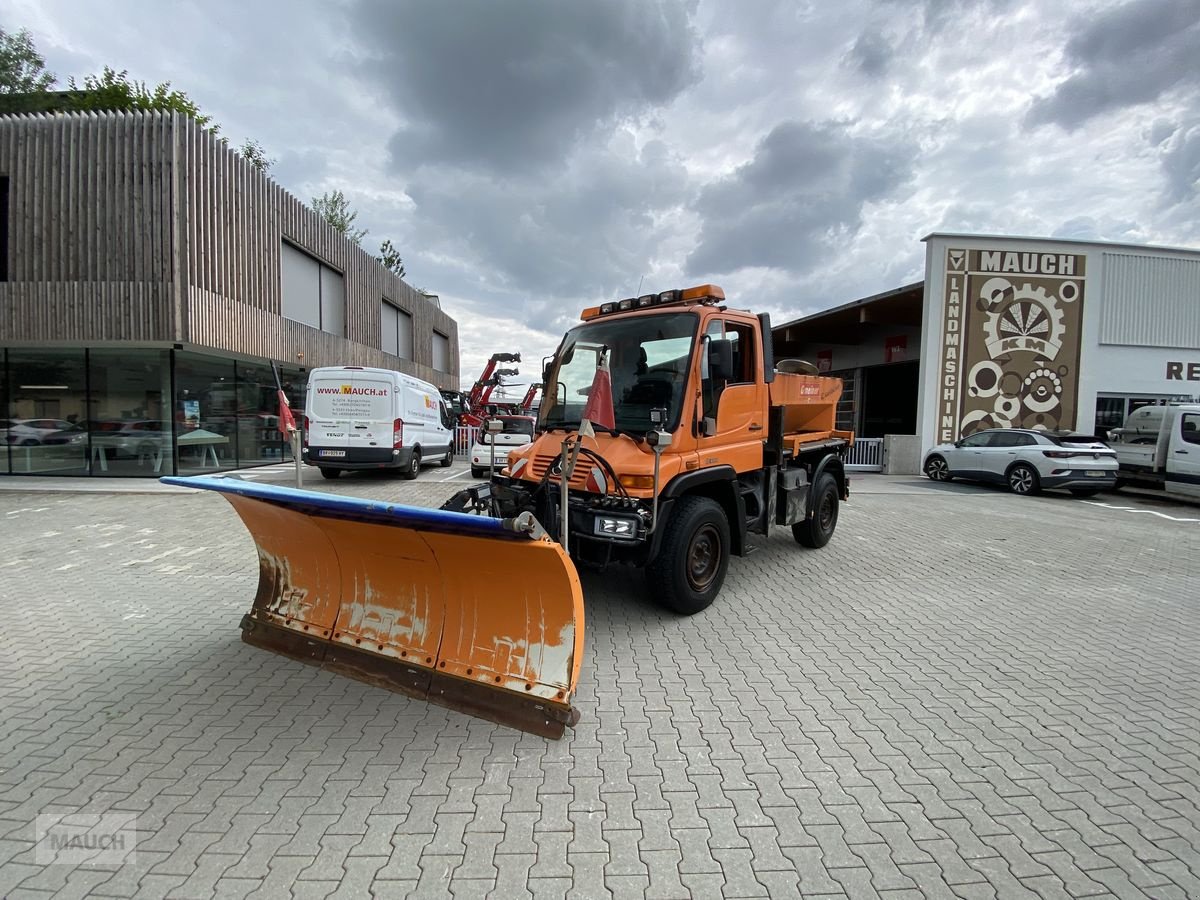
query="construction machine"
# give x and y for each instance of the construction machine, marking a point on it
(668, 435)
(475, 406)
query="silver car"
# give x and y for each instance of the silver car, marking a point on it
(1026, 461)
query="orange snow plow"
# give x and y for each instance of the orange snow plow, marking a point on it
(477, 614)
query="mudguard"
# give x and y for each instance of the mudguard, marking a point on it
(478, 614)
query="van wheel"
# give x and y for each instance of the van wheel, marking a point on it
(331, 474)
(414, 466)
(817, 529)
(689, 570)
(448, 459)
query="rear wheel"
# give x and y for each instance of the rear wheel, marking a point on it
(1023, 480)
(1085, 492)
(689, 570)
(448, 459)
(414, 465)
(937, 469)
(476, 473)
(331, 474)
(818, 528)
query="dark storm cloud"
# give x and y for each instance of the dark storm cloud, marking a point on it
(1122, 57)
(805, 187)
(872, 53)
(577, 235)
(513, 86)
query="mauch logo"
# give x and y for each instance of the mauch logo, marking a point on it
(349, 389)
(74, 838)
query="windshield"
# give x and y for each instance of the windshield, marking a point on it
(648, 359)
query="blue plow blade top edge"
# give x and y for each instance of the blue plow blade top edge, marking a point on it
(357, 509)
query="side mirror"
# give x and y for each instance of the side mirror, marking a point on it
(720, 360)
(958, 443)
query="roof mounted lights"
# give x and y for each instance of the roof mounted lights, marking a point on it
(703, 293)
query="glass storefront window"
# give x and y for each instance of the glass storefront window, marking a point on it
(259, 440)
(43, 423)
(129, 423)
(205, 411)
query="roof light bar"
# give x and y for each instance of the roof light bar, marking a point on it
(703, 293)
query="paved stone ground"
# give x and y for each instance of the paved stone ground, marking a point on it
(966, 694)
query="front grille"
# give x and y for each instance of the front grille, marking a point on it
(540, 464)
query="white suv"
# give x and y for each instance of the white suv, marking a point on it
(1026, 461)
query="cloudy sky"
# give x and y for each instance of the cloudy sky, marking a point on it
(531, 157)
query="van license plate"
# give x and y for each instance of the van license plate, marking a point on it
(1095, 474)
(328, 453)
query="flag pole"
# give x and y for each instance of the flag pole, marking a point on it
(287, 425)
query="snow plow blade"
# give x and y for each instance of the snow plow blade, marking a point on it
(480, 615)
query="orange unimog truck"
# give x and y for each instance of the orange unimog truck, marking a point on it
(711, 440)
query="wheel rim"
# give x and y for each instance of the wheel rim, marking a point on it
(936, 469)
(1021, 480)
(704, 558)
(415, 465)
(825, 513)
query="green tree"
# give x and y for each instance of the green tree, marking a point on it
(390, 257)
(113, 90)
(334, 208)
(22, 68)
(252, 151)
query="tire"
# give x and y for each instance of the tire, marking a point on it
(690, 567)
(1085, 492)
(331, 474)
(1022, 479)
(476, 473)
(448, 459)
(414, 466)
(937, 469)
(815, 531)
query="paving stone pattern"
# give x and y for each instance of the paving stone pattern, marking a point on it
(966, 694)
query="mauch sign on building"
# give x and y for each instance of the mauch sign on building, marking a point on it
(1010, 341)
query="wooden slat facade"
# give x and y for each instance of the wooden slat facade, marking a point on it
(143, 227)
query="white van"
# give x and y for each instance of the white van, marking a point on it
(361, 418)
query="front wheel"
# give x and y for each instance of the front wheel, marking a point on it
(448, 459)
(414, 466)
(1023, 480)
(817, 529)
(689, 570)
(937, 469)
(476, 473)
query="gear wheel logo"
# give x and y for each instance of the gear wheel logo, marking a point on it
(1028, 319)
(1042, 390)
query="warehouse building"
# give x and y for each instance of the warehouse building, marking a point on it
(150, 276)
(1012, 332)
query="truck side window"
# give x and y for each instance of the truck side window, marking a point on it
(742, 337)
(1191, 428)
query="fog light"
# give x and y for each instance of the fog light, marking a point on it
(620, 528)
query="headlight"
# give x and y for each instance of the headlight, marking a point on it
(617, 527)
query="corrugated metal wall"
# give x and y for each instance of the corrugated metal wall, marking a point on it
(1150, 301)
(105, 207)
(89, 238)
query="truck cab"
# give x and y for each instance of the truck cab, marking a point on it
(1158, 447)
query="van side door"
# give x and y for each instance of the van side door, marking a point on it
(1183, 461)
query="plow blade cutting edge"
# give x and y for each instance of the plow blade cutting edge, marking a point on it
(481, 615)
